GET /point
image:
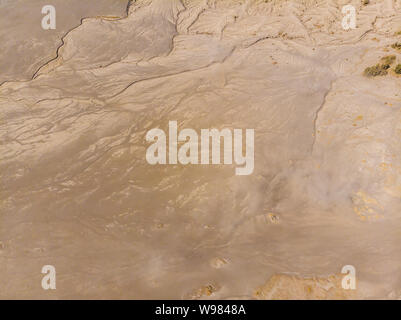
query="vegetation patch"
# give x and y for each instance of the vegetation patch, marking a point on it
(396, 45)
(381, 69)
(377, 70)
(388, 59)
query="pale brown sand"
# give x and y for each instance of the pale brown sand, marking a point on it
(25, 46)
(77, 192)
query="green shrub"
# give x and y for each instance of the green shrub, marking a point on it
(398, 69)
(377, 70)
(388, 59)
(396, 45)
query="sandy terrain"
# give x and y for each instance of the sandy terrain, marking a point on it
(77, 192)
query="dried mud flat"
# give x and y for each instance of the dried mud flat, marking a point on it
(77, 192)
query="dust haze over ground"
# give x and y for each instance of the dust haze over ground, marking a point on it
(77, 192)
